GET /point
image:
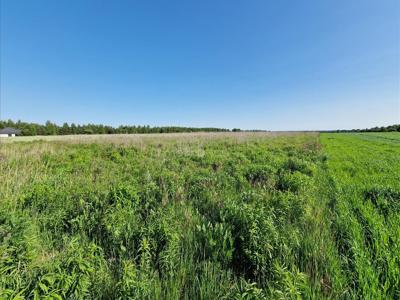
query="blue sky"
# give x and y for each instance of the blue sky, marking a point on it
(275, 65)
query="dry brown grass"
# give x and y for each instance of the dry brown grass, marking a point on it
(146, 138)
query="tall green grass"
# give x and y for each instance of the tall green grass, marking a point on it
(259, 218)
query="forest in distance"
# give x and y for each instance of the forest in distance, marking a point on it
(50, 128)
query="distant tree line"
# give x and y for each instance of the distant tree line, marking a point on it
(50, 128)
(395, 127)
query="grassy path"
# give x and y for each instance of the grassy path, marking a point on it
(364, 202)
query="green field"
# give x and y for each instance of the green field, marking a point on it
(278, 216)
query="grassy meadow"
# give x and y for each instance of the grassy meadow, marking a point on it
(201, 216)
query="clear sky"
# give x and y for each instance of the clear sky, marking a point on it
(275, 65)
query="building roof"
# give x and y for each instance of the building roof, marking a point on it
(9, 130)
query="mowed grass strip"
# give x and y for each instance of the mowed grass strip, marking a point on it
(365, 208)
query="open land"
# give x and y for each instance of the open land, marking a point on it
(260, 215)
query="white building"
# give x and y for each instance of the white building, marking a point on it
(9, 132)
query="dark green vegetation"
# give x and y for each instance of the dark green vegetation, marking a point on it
(287, 217)
(390, 128)
(29, 129)
(32, 129)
